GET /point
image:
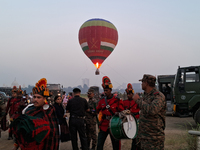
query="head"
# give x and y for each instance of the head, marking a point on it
(40, 93)
(14, 94)
(58, 99)
(148, 82)
(19, 92)
(107, 92)
(129, 90)
(76, 91)
(90, 93)
(70, 94)
(38, 100)
(130, 95)
(14, 91)
(107, 86)
(64, 93)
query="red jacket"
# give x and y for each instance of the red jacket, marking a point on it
(15, 107)
(132, 106)
(116, 105)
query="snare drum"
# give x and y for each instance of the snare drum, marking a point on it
(126, 130)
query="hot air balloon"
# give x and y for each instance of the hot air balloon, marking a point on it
(98, 38)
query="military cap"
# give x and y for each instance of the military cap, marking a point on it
(149, 78)
(90, 90)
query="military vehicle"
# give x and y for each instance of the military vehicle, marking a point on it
(165, 84)
(186, 92)
(54, 90)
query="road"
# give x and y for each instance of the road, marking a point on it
(174, 125)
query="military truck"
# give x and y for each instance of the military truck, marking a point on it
(54, 90)
(186, 92)
(165, 84)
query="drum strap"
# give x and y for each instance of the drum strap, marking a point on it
(108, 106)
(132, 106)
(137, 113)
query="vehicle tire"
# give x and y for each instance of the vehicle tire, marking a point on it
(197, 116)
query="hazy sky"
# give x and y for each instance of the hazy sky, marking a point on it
(39, 38)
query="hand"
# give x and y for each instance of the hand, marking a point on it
(65, 116)
(135, 97)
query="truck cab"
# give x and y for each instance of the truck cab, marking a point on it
(186, 92)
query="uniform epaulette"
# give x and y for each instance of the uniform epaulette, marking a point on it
(156, 93)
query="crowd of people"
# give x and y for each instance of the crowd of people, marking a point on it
(36, 124)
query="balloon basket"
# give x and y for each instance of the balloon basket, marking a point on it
(97, 72)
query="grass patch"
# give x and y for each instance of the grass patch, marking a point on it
(176, 141)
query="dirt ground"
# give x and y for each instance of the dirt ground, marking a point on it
(175, 126)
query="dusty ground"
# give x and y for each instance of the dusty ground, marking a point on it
(175, 127)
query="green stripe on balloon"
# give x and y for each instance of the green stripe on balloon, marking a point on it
(106, 48)
(85, 48)
(98, 23)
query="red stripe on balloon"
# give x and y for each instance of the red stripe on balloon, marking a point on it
(92, 33)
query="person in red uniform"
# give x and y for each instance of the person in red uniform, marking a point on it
(108, 105)
(131, 105)
(21, 101)
(15, 106)
(11, 109)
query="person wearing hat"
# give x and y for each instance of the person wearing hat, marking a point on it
(22, 100)
(12, 108)
(151, 134)
(108, 106)
(90, 119)
(77, 106)
(38, 120)
(131, 105)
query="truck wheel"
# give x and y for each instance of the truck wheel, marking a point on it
(197, 116)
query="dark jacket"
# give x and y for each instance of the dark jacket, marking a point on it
(59, 112)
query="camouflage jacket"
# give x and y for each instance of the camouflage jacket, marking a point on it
(90, 116)
(2, 108)
(152, 115)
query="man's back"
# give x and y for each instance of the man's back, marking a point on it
(77, 106)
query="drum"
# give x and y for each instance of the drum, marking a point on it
(126, 130)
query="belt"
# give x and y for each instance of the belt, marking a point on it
(79, 117)
(106, 117)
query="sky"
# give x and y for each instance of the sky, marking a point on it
(39, 39)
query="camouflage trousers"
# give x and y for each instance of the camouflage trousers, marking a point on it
(91, 134)
(149, 144)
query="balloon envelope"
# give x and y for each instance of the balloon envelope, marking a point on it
(98, 38)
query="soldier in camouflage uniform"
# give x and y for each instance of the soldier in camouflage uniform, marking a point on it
(90, 120)
(151, 134)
